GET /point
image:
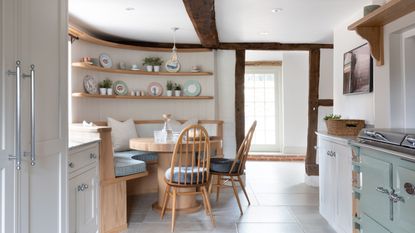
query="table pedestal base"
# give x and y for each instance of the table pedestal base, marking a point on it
(196, 208)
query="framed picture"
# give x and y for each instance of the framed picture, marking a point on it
(358, 71)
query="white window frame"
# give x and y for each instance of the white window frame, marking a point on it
(277, 71)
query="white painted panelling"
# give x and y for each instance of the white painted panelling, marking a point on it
(263, 55)
(100, 109)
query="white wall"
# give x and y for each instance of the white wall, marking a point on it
(375, 107)
(326, 85)
(225, 73)
(295, 101)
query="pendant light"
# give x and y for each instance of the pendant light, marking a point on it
(173, 64)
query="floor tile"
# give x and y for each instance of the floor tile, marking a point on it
(269, 228)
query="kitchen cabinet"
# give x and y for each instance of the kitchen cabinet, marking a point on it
(83, 189)
(335, 164)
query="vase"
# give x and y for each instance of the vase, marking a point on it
(177, 93)
(156, 68)
(169, 93)
(109, 91)
(149, 68)
(103, 91)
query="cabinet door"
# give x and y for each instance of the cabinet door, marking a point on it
(376, 174)
(404, 210)
(370, 226)
(326, 179)
(83, 197)
(344, 188)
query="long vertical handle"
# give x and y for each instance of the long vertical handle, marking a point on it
(18, 156)
(33, 115)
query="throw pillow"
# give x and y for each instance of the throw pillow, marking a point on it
(121, 133)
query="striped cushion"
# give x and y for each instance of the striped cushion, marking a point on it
(184, 177)
(145, 156)
(125, 167)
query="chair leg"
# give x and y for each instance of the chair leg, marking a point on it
(209, 208)
(243, 189)
(165, 201)
(235, 191)
(218, 184)
(210, 183)
(204, 202)
(173, 209)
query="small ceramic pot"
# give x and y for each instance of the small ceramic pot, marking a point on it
(103, 91)
(109, 91)
(156, 68)
(169, 93)
(149, 68)
(177, 93)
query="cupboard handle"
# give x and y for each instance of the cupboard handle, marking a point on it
(382, 190)
(92, 156)
(411, 140)
(71, 165)
(395, 198)
(82, 187)
(32, 114)
(409, 188)
(18, 155)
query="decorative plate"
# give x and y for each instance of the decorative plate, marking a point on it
(173, 66)
(191, 88)
(155, 89)
(90, 84)
(105, 60)
(120, 88)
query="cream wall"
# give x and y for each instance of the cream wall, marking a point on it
(100, 109)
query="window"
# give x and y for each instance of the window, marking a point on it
(263, 103)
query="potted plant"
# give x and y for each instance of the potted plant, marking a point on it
(177, 89)
(148, 63)
(108, 85)
(157, 63)
(343, 127)
(102, 88)
(169, 87)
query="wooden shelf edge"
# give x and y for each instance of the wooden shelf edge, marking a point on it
(85, 95)
(370, 27)
(75, 32)
(87, 66)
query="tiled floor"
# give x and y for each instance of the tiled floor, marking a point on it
(280, 203)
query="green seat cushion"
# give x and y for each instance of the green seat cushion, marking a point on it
(125, 167)
(223, 165)
(145, 156)
(183, 177)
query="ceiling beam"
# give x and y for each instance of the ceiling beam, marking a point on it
(202, 15)
(263, 63)
(273, 46)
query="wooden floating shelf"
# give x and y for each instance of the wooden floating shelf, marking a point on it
(85, 95)
(87, 66)
(370, 27)
(75, 32)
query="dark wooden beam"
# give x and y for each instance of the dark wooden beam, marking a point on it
(263, 63)
(273, 46)
(239, 97)
(325, 102)
(202, 15)
(311, 166)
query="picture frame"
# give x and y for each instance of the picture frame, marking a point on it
(358, 71)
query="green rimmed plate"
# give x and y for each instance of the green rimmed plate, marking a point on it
(192, 88)
(120, 88)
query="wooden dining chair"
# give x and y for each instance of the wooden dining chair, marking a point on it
(189, 169)
(230, 170)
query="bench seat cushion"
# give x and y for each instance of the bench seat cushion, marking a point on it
(145, 156)
(183, 175)
(222, 165)
(125, 167)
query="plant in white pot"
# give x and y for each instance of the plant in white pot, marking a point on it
(102, 88)
(169, 88)
(157, 63)
(148, 63)
(108, 85)
(177, 89)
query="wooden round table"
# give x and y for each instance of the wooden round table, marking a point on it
(185, 203)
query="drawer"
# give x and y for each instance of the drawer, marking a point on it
(82, 157)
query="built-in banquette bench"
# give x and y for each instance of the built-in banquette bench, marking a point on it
(113, 189)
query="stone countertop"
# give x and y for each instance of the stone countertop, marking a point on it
(340, 139)
(78, 142)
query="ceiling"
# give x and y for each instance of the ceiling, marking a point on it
(300, 21)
